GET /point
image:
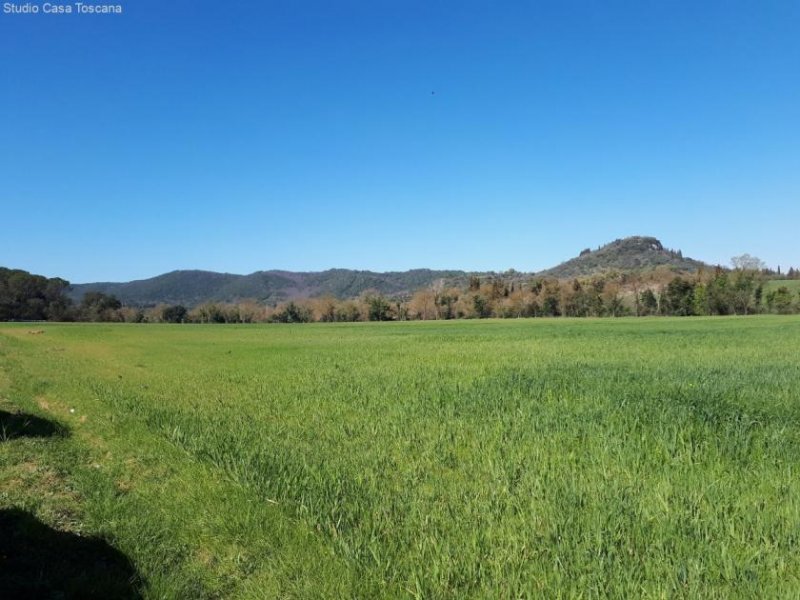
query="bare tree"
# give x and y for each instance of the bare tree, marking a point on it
(745, 262)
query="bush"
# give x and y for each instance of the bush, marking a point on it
(174, 314)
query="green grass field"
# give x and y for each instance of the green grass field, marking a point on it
(792, 284)
(653, 458)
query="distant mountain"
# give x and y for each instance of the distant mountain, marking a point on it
(195, 287)
(191, 288)
(629, 254)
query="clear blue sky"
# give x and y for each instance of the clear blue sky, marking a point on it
(386, 135)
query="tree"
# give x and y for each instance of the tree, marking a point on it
(447, 302)
(700, 299)
(780, 300)
(423, 305)
(745, 262)
(758, 297)
(292, 312)
(744, 284)
(174, 314)
(97, 306)
(131, 314)
(497, 288)
(401, 310)
(648, 303)
(516, 305)
(719, 295)
(208, 313)
(251, 311)
(610, 301)
(679, 297)
(635, 281)
(551, 299)
(482, 306)
(378, 308)
(28, 297)
(347, 312)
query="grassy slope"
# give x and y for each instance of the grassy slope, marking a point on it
(774, 284)
(448, 459)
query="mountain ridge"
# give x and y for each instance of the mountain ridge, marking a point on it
(193, 287)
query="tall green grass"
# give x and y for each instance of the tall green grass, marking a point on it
(529, 458)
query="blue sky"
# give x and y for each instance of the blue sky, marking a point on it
(387, 135)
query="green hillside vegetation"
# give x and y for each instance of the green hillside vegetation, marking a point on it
(191, 288)
(637, 253)
(650, 458)
(659, 291)
(634, 276)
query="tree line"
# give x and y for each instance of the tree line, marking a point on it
(740, 291)
(28, 297)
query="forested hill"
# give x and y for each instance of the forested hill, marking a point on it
(191, 288)
(635, 253)
(195, 287)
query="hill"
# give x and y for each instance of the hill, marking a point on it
(637, 253)
(774, 284)
(195, 287)
(191, 288)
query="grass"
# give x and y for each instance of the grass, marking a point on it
(516, 459)
(792, 284)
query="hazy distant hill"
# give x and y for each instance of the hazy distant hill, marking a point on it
(194, 287)
(628, 254)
